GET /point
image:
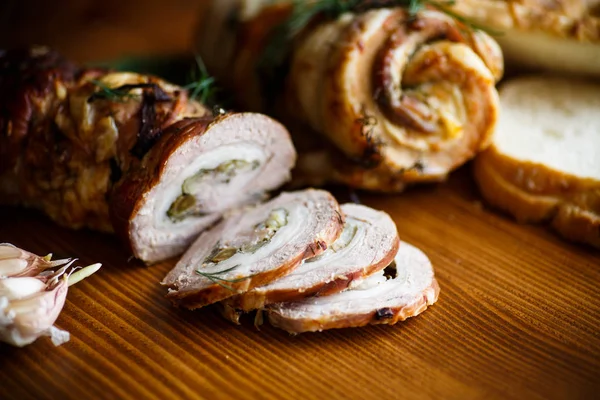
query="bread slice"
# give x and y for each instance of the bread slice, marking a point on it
(544, 163)
(379, 300)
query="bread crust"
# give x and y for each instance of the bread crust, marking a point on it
(535, 193)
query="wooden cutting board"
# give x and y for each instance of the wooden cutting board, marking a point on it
(518, 314)
(518, 317)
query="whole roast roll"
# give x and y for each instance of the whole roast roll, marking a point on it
(128, 153)
(403, 98)
(559, 36)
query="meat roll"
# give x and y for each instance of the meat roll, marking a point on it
(128, 153)
(404, 98)
(368, 243)
(378, 300)
(255, 246)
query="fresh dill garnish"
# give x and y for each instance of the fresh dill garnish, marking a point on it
(215, 277)
(119, 94)
(202, 86)
(123, 92)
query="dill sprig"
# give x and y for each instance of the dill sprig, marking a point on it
(215, 277)
(202, 85)
(119, 94)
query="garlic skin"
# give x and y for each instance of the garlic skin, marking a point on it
(24, 320)
(15, 262)
(32, 296)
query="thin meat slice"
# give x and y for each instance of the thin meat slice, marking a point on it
(368, 244)
(201, 168)
(377, 301)
(255, 246)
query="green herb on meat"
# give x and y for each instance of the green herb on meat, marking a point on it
(215, 277)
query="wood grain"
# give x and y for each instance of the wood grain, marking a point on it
(518, 317)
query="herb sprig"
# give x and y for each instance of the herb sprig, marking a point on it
(119, 94)
(202, 86)
(215, 277)
(123, 93)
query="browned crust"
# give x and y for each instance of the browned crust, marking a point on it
(389, 316)
(559, 18)
(553, 196)
(578, 225)
(536, 178)
(253, 300)
(59, 149)
(193, 299)
(127, 195)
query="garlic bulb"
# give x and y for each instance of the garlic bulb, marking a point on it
(31, 297)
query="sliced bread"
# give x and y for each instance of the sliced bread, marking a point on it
(544, 163)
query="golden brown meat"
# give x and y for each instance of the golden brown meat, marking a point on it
(65, 141)
(403, 98)
(128, 152)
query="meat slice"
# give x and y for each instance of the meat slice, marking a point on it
(128, 153)
(376, 301)
(255, 246)
(201, 168)
(368, 244)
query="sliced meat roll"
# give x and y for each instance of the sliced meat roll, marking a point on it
(124, 152)
(200, 169)
(376, 301)
(431, 102)
(255, 246)
(368, 243)
(404, 98)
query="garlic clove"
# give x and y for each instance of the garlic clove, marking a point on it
(12, 266)
(8, 251)
(20, 288)
(23, 321)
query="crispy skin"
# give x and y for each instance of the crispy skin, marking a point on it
(128, 192)
(62, 148)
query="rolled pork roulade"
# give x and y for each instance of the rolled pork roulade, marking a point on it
(255, 246)
(368, 244)
(128, 153)
(409, 289)
(404, 97)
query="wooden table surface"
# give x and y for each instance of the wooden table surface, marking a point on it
(518, 317)
(518, 314)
